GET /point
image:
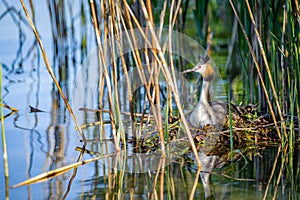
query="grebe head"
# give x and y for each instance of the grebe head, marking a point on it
(204, 68)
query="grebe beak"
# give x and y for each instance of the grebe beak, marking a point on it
(198, 66)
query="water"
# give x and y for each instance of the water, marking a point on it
(44, 141)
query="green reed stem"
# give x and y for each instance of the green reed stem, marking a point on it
(230, 125)
(257, 68)
(262, 51)
(4, 146)
(167, 111)
(117, 112)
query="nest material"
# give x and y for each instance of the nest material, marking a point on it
(248, 126)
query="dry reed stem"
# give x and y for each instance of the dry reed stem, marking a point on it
(50, 70)
(136, 57)
(152, 49)
(54, 173)
(101, 78)
(149, 9)
(153, 190)
(162, 178)
(168, 42)
(193, 190)
(176, 13)
(7, 106)
(257, 68)
(142, 33)
(171, 25)
(262, 51)
(153, 95)
(283, 162)
(162, 18)
(141, 71)
(166, 73)
(98, 40)
(74, 174)
(124, 65)
(272, 172)
(153, 79)
(156, 70)
(170, 55)
(101, 54)
(171, 84)
(118, 29)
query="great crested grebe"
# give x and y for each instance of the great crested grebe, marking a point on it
(207, 112)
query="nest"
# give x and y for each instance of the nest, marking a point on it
(245, 126)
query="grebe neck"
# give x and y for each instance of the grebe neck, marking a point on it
(205, 95)
(203, 113)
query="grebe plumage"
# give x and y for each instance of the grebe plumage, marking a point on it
(207, 112)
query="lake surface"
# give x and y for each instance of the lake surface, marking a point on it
(38, 142)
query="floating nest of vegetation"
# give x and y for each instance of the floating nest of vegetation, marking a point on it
(248, 125)
(245, 127)
(246, 133)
